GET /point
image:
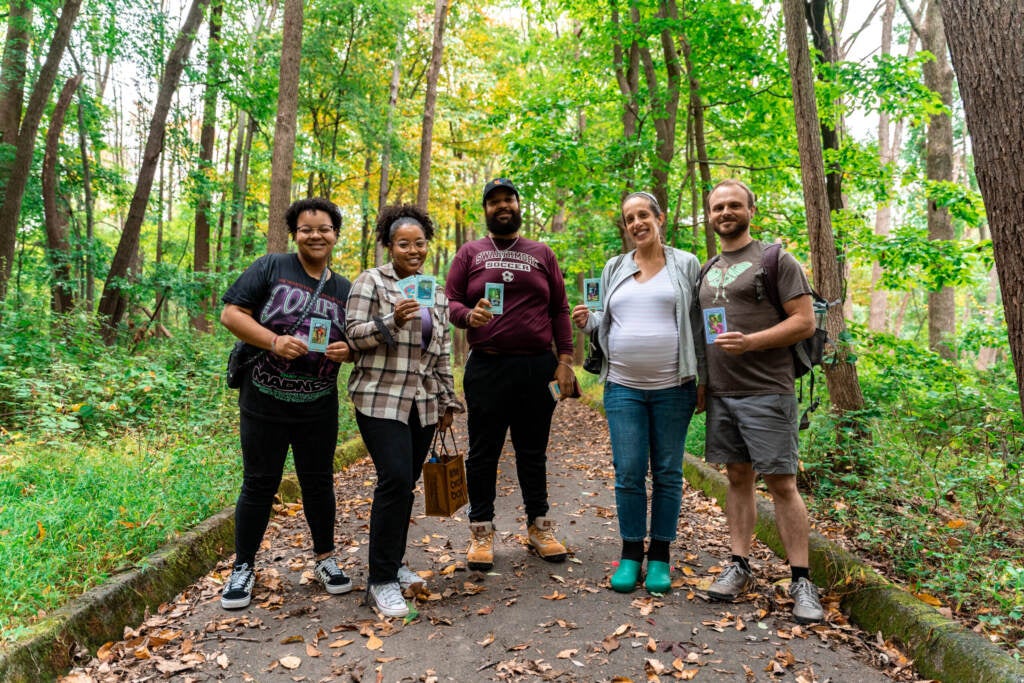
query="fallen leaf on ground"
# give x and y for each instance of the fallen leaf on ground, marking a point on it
(290, 662)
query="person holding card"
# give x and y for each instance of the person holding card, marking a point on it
(510, 365)
(752, 414)
(285, 304)
(402, 389)
(652, 335)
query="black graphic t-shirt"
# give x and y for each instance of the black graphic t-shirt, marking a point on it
(276, 288)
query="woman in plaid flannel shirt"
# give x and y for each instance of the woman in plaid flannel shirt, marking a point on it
(402, 389)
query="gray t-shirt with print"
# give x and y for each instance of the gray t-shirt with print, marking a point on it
(736, 283)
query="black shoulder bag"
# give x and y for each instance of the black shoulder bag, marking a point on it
(244, 355)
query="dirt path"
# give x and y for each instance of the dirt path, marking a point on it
(528, 620)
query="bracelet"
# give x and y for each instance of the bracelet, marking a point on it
(562, 362)
(273, 344)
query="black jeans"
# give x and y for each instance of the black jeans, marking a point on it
(508, 394)
(264, 449)
(398, 451)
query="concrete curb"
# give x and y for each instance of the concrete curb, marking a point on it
(99, 615)
(941, 649)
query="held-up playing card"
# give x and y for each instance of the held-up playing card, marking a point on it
(592, 293)
(714, 323)
(319, 334)
(425, 290)
(495, 293)
(407, 286)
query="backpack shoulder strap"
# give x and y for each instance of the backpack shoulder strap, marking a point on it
(706, 267)
(770, 266)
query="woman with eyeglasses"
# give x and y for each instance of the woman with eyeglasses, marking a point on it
(647, 328)
(402, 389)
(282, 305)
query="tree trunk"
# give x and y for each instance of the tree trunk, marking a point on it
(938, 76)
(427, 136)
(114, 301)
(17, 178)
(385, 152)
(55, 207)
(12, 75)
(282, 162)
(83, 149)
(700, 143)
(207, 140)
(984, 41)
(843, 386)
(664, 104)
(825, 43)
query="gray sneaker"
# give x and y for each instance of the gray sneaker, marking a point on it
(806, 604)
(733, 582)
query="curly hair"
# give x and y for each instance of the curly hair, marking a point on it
(291, 216)
(392, 215)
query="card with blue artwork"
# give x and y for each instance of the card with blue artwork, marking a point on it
(714, 323)
(592, 295)
(407, 286)
(425, 290)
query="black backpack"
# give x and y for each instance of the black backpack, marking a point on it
(807, 353)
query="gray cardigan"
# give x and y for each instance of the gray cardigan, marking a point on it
(683, 269)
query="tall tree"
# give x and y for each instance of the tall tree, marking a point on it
(18, 171)
(843, 386)
(12, 74)
(114, 301)
(283, 160)
(55, 206)
(207, 140)
(988, 55)
(427, 136)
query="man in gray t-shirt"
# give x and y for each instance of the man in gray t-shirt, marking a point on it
(748, 391)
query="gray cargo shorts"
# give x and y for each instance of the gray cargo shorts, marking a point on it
(762, 430)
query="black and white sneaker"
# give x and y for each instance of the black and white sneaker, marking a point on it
(331, 576)
(237, 591)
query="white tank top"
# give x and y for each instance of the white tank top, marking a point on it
(643, 341)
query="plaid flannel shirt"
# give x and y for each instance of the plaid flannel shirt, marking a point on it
(392, 369)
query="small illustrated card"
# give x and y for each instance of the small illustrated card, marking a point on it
(592, 294)
(495, 293)
(556, 391)
(714, 323)
(319, 334)
(425, 290)
(407, 286)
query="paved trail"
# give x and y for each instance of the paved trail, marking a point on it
(528, 620)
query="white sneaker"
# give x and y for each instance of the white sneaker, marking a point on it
(410, 581)
(388, 599)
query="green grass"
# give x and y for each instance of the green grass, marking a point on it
(105, 456)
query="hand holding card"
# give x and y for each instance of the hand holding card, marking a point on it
(494, 292)
(714, 323)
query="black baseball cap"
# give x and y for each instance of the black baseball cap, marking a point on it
(495, 184)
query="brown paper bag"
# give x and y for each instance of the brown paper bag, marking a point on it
(444, 478)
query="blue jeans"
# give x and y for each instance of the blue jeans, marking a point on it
(648, 429)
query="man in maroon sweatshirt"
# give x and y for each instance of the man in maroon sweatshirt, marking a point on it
(511, 362)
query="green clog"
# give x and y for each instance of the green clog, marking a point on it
(625, 578)
(658, 579)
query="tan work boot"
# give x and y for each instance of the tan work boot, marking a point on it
(542, 539)
(481, 546)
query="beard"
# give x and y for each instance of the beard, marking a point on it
(739, 227)
(505, 226)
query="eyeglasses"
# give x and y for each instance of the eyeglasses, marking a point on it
(419, 245)
(323, 231)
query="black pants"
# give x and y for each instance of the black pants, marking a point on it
(398, 451)
(508, 394)
(264, 449)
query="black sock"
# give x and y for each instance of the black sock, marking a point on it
(800, 573)
(742, 562)
(658, 551)
(633, 550)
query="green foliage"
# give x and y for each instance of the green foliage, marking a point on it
(105, 454)
(938, 484)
